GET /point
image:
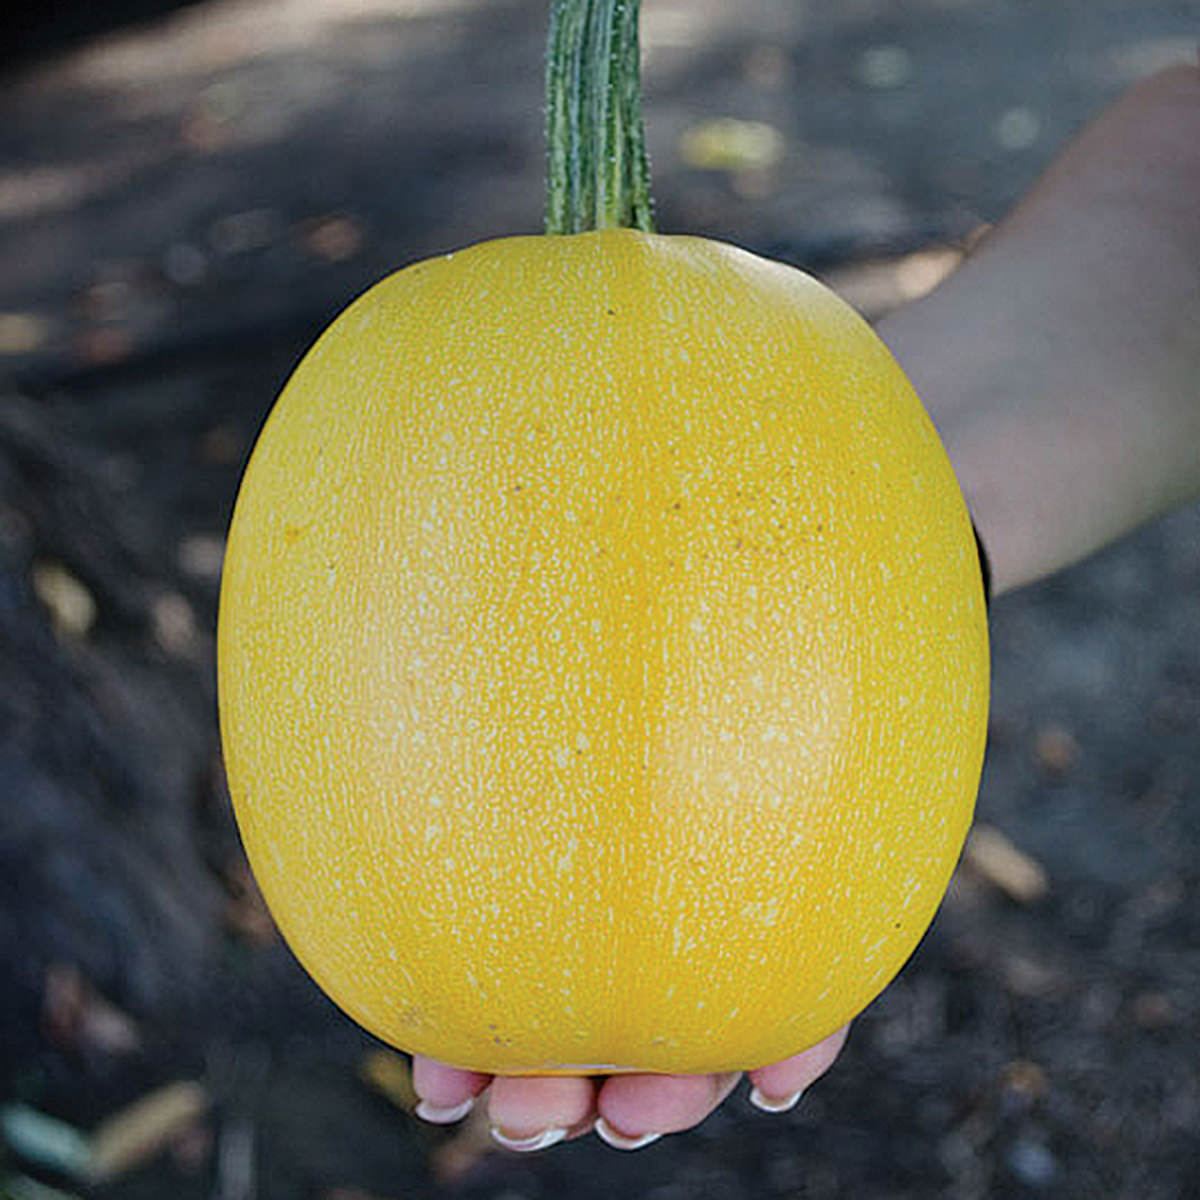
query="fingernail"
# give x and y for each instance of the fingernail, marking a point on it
(526, 1145)
(772, 1104)
(619, 1141)
(435, 1114)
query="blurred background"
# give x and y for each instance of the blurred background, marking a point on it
(188, 193)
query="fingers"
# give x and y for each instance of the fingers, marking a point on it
(635, 1110)
(779, 1086)
(529, 1113)
(628, 1111)
(524, 1113)
(533, 1113)
(447, 1093)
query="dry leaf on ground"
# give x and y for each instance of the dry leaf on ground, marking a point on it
(136, 1134)
(1004, 865)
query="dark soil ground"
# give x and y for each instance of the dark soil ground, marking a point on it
(184, 202)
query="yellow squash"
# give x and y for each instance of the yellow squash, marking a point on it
(603, 659)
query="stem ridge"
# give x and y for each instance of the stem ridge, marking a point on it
(598, 169)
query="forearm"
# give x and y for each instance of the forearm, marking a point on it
(1061, 363)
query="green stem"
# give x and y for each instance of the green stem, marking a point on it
(598, 171)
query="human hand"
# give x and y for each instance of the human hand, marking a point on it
(627, 1111)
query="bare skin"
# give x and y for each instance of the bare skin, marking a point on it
(1061, 364)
